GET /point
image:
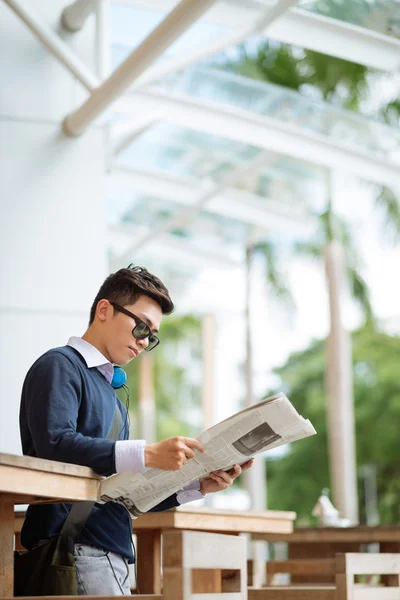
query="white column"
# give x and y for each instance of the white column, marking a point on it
(340, 402)
(208, 326)
(147, 407)
(53, 224)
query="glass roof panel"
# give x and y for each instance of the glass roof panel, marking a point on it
(226, 236)
(352, 129)
(380, 15)
(180, 151)
(175, 151)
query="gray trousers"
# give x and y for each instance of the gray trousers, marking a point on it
(101, 573)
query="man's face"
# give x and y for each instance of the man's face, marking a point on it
(120, 345)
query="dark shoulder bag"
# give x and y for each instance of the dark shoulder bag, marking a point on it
(49, 569)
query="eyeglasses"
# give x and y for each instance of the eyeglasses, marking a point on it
(141, 331)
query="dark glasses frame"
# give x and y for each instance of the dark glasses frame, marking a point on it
(145, 331)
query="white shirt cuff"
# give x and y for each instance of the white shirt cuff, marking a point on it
(129, 456)
(190, 492)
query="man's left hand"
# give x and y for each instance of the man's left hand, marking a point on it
(220, 480)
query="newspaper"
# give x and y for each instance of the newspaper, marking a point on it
(262, 426)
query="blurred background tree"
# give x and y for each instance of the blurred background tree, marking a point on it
(177, 379)
(296, 479)
(347, 85)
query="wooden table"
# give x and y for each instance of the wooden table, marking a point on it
(26, 480)
(325, 542)
(149, 528)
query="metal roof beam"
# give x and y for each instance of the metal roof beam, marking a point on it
(305, 29)
(153, 46)
(261, 24)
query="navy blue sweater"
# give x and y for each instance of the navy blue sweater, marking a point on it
(66, 413)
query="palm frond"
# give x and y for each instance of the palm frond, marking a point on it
(274, 277)
(388, 202)
(360, 292)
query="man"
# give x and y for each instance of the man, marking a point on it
(67, 408)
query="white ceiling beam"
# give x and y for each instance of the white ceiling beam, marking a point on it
(129, 134)
(213, 47)
(165, 34)
(55, 45)
(73, 17)
(307, 30)
(180, 248)
(189, 213)
(337, 38)
(264, 132)
(233, 203)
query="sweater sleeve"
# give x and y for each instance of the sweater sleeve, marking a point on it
(52, 396)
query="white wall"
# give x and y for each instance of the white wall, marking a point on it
(52, 206)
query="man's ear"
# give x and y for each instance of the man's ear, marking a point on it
(102, 309)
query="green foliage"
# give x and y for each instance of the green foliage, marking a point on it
(296, 480)
(273, 275)
(336, 80)
(176, 395)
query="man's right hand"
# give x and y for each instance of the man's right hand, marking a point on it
(171, 454)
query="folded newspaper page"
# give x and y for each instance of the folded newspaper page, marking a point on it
(262, 426)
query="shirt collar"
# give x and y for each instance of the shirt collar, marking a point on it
(92, 357)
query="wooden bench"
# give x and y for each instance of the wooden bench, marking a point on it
(150, 528)
(351, 564)
(325, 542)
(200, 565)
(347, 567)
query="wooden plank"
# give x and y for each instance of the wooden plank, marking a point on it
(51, 466)
(47, 484)
(368, 563)
(306, 566)
(142, 597)
(293, 593)
(6, 547)
(149, 561)
(371, 593)
(207, 581)
(204, 550)
(223, 596)
(316, 535)
(19, 518)
(270, 514)
(204, 519)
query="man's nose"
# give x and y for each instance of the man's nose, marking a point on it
(144, 343)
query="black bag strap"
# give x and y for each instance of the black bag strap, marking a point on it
(80, 511)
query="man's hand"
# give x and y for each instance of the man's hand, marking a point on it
(220, 480)
(171, 454)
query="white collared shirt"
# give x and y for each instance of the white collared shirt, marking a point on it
(129, 454)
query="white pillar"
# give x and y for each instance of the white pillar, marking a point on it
(208, 326)
(147, 407)
(340, 401)
(53, 224)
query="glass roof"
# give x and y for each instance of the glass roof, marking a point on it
(182, 152)
(380, 15)
(166, 150)
(286, 105)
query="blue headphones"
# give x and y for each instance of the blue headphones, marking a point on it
(119, 378)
